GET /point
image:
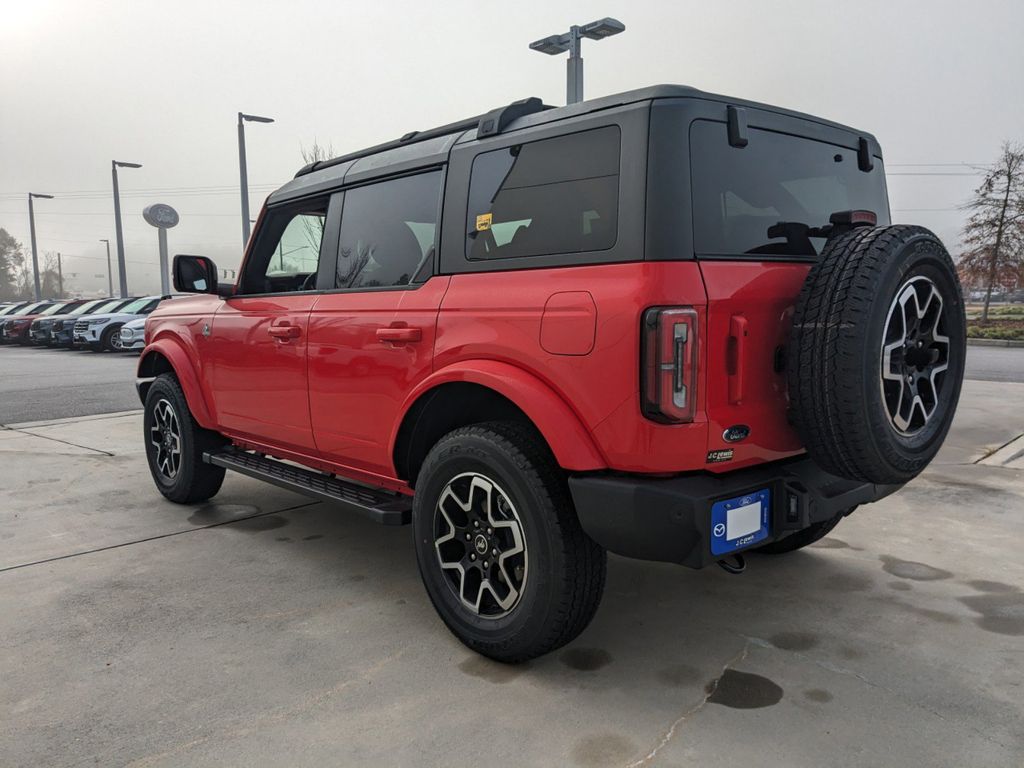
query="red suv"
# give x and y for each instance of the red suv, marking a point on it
(666, 324)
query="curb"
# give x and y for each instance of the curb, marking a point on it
(70, 420)
(994, 343)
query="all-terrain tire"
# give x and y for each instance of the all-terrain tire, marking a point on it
(800, 539)
(861, 353)
(507, 466)
(187, 479)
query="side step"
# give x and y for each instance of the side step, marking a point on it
(380, 506)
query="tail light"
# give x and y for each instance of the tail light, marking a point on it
(669, 364)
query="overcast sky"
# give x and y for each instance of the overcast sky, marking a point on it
(83, 82)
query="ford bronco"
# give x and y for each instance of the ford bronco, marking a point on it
(665, 324)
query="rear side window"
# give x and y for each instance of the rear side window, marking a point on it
(388, 231)
(557, 195)
(739, 193)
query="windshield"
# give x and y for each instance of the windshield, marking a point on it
(56, 309)
(740, 193)
(31, 309)
(82, 309)
(9, 310)
(138, 306)
(107, 305)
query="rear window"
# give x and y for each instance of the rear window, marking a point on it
(558, 195)
(739, 193)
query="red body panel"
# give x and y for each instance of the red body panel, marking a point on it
(330, 388)
(750, 310)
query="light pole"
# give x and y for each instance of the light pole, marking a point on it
(571, 41)
(32, 231)
(243, 173)
(122, 272)
(110, 274)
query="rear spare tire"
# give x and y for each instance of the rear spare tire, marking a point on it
(877, 353)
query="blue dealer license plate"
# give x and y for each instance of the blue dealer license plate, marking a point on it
(741, 522)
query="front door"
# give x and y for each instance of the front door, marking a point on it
(371, 339)
(258, 340)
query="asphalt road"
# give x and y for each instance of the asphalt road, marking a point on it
(37, 384)
(41, 384)
(262, 629)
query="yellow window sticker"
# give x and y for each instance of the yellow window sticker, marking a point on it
(483, 222)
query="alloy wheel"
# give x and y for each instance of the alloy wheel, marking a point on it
(165, 436)
(480, 545)
(915, 356)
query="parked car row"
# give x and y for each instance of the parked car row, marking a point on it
(94, 324)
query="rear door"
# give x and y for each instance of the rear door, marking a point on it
(371, 337)
(255, 352)
(754, 266)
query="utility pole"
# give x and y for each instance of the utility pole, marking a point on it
(110, 274)
(32, 231)
(122, 272)
(243, 171)
(60, 278)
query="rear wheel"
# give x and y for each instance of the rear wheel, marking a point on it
(499, 547)
(175, 445)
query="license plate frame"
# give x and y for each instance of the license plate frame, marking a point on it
(740, 522)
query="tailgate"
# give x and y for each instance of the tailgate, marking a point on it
(750, 310)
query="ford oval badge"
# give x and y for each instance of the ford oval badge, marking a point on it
(736, 433)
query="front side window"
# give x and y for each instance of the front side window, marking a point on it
(388, 232)
(762, 198)
(552, 196)
(286, 255)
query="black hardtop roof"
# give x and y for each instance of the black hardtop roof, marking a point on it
(420, 148)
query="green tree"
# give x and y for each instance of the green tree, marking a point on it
(993, 236)
(12, 261)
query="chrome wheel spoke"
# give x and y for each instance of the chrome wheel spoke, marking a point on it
(165, 437)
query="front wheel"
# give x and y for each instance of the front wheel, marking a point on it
(175, 445)
(499, 547)
(111, 339)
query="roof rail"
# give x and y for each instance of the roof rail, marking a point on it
(488, 124)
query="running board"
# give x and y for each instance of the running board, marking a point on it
(380, 506)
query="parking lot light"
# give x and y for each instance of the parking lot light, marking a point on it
(243, 172)
(570, 41)
(122, 272)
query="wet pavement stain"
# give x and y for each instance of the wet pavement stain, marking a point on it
(209, 514)
(679, 675)
(850, 654)
(283, 538)
(585, 659)
(846, 582)
(259, 524)
(818, 694)
(794, 641)
(1002, 613)
(603, 749)
(908, 569)
(314, 537)
(900, 586)
(358, 577)
(743, 690)
(994, 587)
(491, 671)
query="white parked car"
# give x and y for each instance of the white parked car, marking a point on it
(103, 332)
(133, 335)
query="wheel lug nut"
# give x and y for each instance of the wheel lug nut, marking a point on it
(472, 557)
(468, 537)
(476, 523)
(489, 531)
(487, 564)
(494, 552)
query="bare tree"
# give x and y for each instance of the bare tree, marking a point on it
(993, 236)
(315, 226)
(12, 257)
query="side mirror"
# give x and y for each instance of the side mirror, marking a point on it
(194, 274)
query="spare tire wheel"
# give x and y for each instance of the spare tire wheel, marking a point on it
(877, 353)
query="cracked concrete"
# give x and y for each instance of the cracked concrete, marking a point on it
(263, 629)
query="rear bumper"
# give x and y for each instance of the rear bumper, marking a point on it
(669, 519)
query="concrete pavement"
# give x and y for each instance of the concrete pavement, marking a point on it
(263, 629)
